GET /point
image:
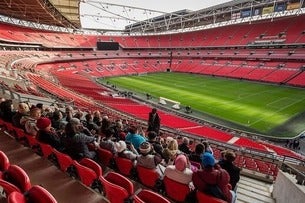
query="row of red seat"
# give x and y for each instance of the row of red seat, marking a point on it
(116, 187)
(286, 30)
(17, 187)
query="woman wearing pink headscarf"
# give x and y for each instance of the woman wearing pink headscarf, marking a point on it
(179, 172)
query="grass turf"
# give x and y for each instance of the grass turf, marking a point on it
(262, 107)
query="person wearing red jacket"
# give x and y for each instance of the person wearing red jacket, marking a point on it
(213, 176)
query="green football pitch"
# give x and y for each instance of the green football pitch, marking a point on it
(265, 108)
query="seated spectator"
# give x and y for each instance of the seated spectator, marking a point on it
(152, 139)
(29, 122)
(22, 110)
(47, 135)
(196, 155)
(97, 118)
(57, 120)
(149, 160)
(134, 138)
(228, 165)
(179, 172)
(68, 113)
(76, 142)
(124, 151)
(107, 142)
(106, 123)
(81, 127)
(171, 151)
(184, 146)
(212, 175)
(119, 131)
(90, 124)
(6, 110)
(207, 147)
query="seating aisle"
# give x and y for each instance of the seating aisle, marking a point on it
(43, 172)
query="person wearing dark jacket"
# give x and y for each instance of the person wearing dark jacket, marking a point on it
(184, 146)
(228, 165)
(154, 121)
(46, 134)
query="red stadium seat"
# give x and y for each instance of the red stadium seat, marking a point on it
(17, 176)
(6, 188)
(149, 196)
(89, 163)
(147, 176)
(31, 141)
(117, 187)
(105, 156)
(46, 150)
(86, 175)
(19, 134)
(64, 161)
(175, 190)
(16, 197)
(93, 165)
(4, 162)
(203, 198)
(124, 165)
(36, 194)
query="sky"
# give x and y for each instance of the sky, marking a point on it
(98, 14)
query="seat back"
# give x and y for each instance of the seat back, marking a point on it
(116, 193)
(46, 150)
(105, 156)
(85, 174)
(31, 141)
(6, 188)
(19, 133)
(149, 196)
(16, 197)
(120, 180)
(175, 190)
(93, 165)
(4, 161)
(147, 176)
(203, 198)
(124, 165)
(38, 194)
(9, 128)
(64, 161)
(17, 176)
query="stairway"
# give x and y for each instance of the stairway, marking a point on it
(250, 190)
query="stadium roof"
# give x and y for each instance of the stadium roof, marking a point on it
(136, 16)
(64, 13)
(95, 14)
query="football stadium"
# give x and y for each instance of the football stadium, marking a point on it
(121, 101)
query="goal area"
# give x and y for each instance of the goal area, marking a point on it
(165, 101)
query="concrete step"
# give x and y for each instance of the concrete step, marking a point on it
(250, 190)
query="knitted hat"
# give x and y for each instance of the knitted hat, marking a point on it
(120, 146)
(145, 148)
(181, 162)
(208, 160)
(43, 122)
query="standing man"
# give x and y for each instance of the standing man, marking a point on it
(154, 121)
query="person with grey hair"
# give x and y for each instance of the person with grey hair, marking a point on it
(76, 142)
(184, 146)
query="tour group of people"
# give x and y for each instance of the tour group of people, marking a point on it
(71, 131)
